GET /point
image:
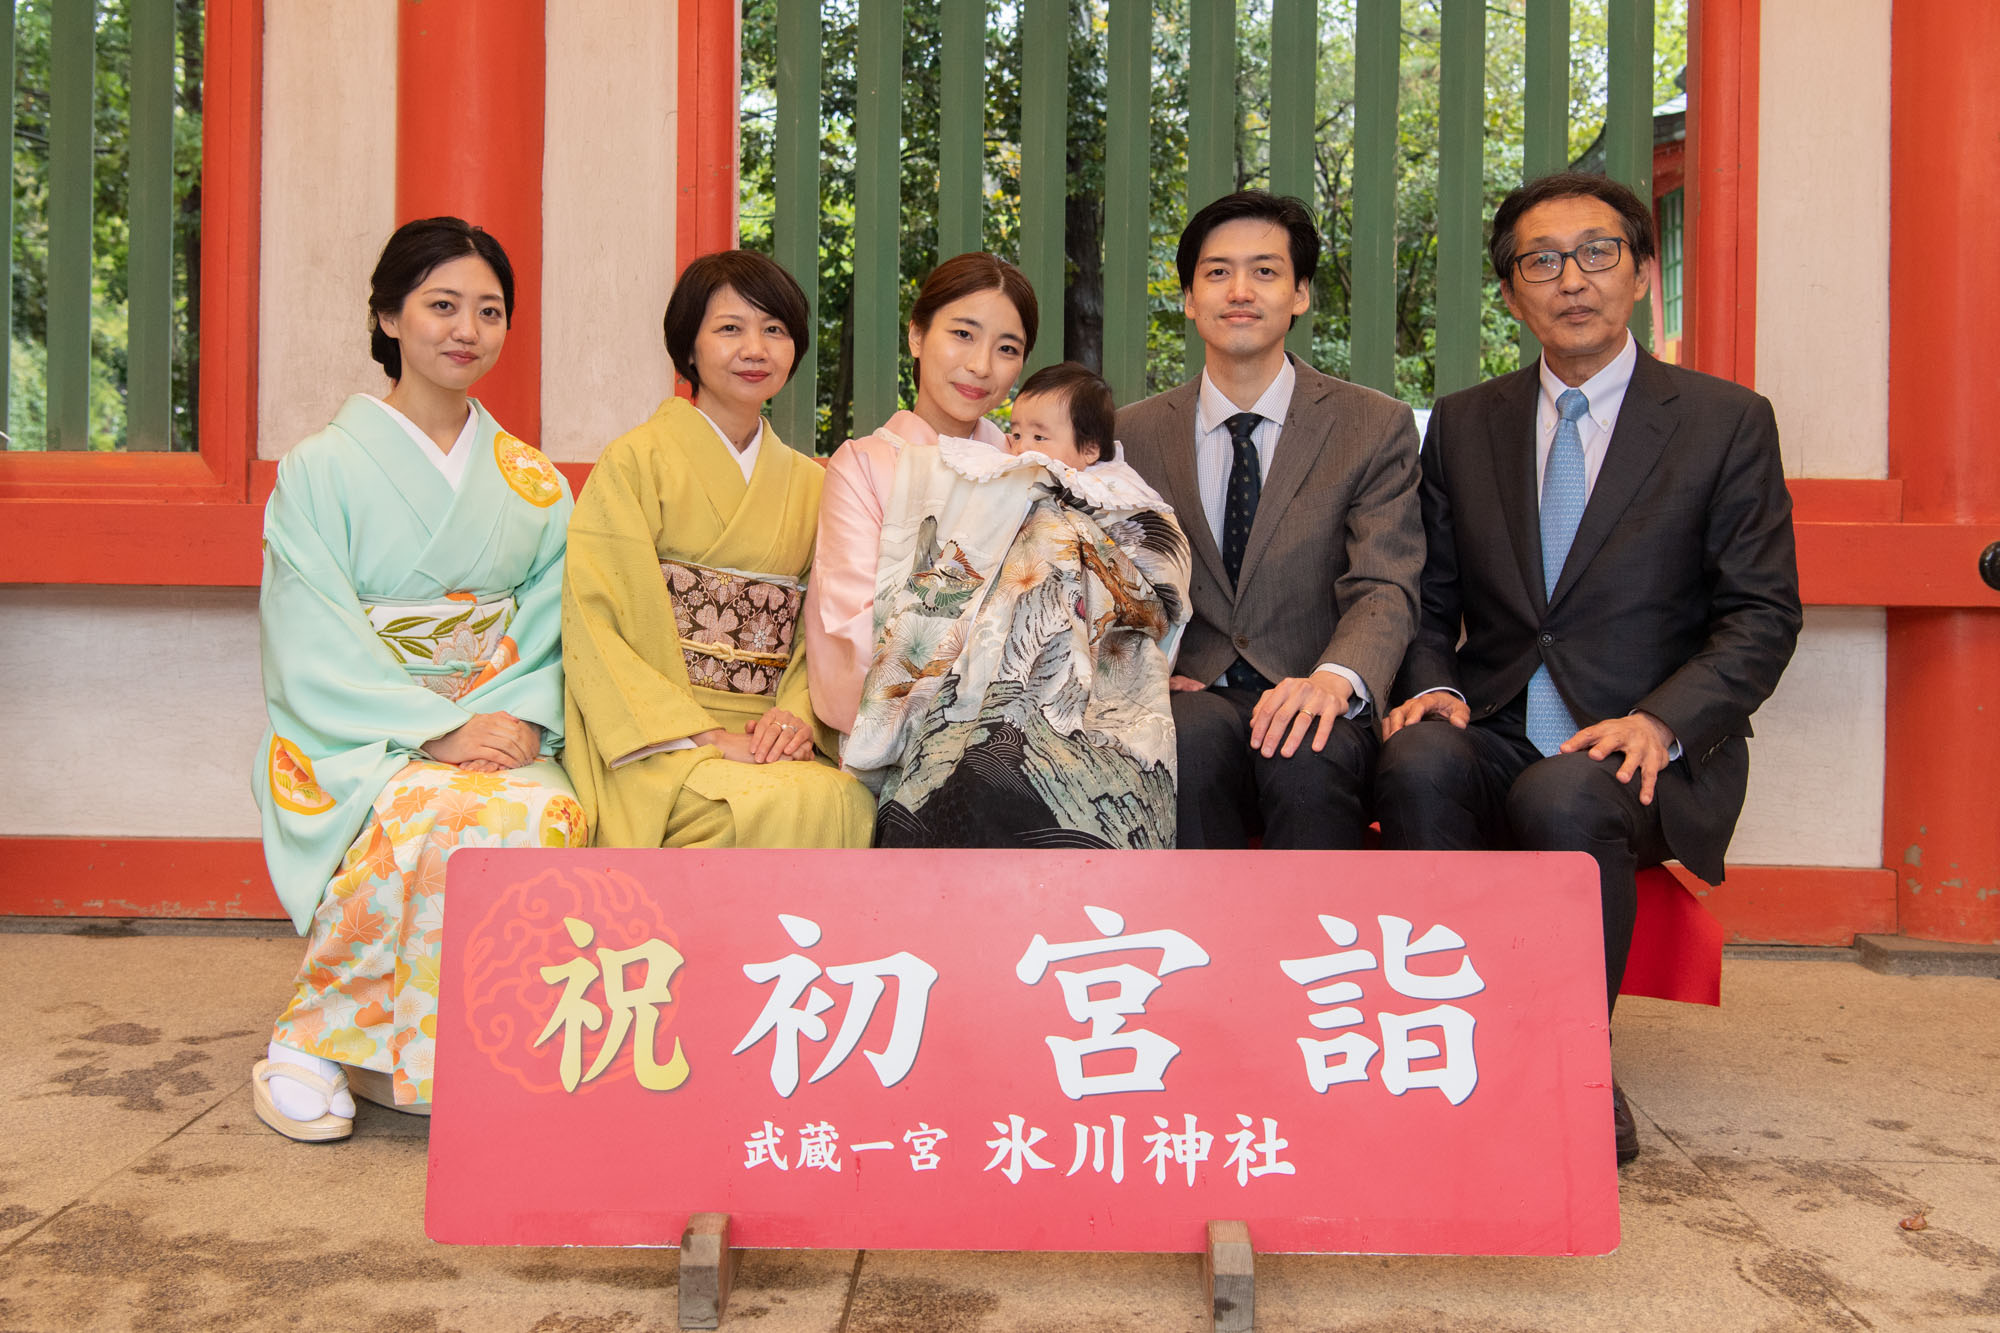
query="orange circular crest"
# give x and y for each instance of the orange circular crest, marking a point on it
(293, 786)
(528, 470)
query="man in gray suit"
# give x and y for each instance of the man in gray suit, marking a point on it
(1611, 589)
(1298, 494)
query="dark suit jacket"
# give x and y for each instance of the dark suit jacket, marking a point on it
(1680, 595)
(1330, 571)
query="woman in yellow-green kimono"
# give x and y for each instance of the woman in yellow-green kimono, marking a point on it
(688, 719)
(413, 556)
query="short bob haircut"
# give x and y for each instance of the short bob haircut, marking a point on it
(413, 251)
(1636, 218)
(1263, 206)
(1092, 411)
(968, 275)
(758, 279)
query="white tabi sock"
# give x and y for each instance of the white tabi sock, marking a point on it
(295, 1100)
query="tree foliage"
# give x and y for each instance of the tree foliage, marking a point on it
(1082, 307)
(110, 223)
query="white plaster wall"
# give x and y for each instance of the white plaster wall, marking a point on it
(1823, 233)
(607, 219)
(329, 201)
(130, 712)
(1816, 761)
(1823, 360)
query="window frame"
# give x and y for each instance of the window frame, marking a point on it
(74, 516)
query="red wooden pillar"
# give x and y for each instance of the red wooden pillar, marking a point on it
(1941, 826)
(1721, 183)
(705, 188)
(710, 73)
(469, 115)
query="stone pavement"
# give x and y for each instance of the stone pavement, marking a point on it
(1786, 1135)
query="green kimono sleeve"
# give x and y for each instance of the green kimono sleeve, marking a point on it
(532, 689)
(344, 715)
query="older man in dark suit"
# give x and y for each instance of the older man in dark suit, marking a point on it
(1610, 590)
(1298, 494)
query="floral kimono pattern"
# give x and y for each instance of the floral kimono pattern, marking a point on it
(395, 608)
(368, 993)
(1025, 616)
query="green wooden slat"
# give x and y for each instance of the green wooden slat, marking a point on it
(1378, 47)
(7, 260)
(150, 191)
(795, 228)
(1044, 118)
(878, 173)
(1294, 56)
(1461, 147)
(1545, 143)
(72, 33)
(1545, 146)
(1211, 116)
(1127, 223)
(1628, 116)
(961, 116)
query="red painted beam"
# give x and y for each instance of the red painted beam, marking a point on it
(132, 542)
(147, 877)
(225, 877)
(1821, 905)
(470, 86)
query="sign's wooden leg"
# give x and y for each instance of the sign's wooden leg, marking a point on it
(708, 1266)
(1232, 1283)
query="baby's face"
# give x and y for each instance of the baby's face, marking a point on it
(1041, 423)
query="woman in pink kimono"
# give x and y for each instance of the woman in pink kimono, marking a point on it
(971, 330)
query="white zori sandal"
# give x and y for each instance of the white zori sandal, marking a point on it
(325, 1129)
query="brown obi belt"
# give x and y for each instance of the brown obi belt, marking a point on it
(736, 628)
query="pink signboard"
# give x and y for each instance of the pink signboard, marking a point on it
(1065, 1050)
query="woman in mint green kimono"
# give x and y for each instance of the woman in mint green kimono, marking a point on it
(411, 613)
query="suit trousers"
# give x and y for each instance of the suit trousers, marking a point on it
(1228, 792)
(1486, 788)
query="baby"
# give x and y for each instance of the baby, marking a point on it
(1064, 412)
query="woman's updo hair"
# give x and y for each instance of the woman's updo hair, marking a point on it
(758, 279)
(968, 275)
(412, 252)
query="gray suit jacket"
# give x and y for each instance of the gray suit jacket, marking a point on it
(1330, 571)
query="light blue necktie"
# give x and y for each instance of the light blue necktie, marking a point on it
(1549, 722)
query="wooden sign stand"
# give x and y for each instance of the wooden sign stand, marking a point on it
(708, 1266)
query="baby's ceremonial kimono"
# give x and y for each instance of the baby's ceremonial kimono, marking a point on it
(1026, 614)
(680, 614)
(397, 605)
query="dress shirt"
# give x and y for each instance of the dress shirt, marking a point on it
(451, 465)
(1214, 454)
(1606, 392)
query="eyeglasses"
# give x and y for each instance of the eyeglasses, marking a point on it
(1591, 257)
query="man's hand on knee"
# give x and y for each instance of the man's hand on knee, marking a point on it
(1291, 708)
(1644, 740)
(1431, 703)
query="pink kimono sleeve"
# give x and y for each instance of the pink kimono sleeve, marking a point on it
(840, 600)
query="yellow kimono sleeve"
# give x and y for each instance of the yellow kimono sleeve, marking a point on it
(621, 651)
